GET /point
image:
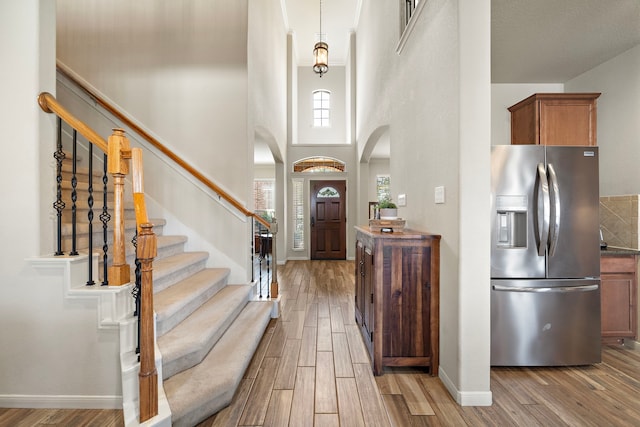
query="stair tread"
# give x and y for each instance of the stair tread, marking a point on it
(175, 303)
(197, 393)
(178, 264)
(189, 342)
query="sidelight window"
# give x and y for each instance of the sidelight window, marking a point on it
(298, 214)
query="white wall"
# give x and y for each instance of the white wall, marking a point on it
(435, 97)
(52, 353)
(179, 68)
(618, 120)
(334, 82)
(268, 78)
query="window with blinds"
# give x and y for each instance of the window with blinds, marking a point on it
(298, 214)
(383, 190)
(264, 195)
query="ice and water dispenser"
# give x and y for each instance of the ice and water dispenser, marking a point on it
(511, 225)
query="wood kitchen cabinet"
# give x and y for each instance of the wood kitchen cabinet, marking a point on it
(555, 119)
(397, 297)
(619, 293)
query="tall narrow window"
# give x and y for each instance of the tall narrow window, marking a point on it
(382, 187)
(321, 108)
(264, 196)
(264, 200)
(298, 214)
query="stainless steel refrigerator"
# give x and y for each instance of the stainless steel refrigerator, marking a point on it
(545, 256)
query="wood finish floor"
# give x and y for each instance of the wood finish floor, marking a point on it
(312, 369)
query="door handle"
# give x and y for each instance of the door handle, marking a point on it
(554, 225)
(583, 288)
(543, 209)
(313, 222)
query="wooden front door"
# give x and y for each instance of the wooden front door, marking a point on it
(328, 220)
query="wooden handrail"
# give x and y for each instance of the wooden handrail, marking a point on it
(49, 104)
(166, 151)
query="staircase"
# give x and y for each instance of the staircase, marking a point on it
(207, 329)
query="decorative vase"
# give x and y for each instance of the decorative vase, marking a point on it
(388, 213)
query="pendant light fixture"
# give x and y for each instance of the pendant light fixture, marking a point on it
(321, 52)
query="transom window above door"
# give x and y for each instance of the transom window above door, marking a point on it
(319, 164)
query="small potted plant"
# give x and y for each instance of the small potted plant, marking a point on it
(387, 209)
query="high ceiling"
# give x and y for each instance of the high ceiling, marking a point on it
(532, 41)
(553, 41)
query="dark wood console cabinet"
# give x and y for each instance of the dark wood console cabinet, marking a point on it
(397, 297)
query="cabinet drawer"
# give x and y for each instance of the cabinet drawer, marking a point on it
(618, 264)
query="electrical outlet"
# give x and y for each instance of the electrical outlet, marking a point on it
(402, 200)
(439, 195)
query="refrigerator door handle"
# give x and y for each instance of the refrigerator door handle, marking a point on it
(543, 214)
(554, 226)
(584, 288)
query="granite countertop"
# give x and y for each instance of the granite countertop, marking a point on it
(614, 250)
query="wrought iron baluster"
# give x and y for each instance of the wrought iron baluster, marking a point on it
(136, 288)
(90, 280)
(59, 204)
(74, 194)
(266, 255)
(253, 250)
(260, 271)
(105, 217)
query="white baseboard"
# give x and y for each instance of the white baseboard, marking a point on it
(465, 398)
(60, 401)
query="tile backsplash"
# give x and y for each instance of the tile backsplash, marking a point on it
(619, 220)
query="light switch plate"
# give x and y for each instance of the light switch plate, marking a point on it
(402, 200)
(439, 195)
